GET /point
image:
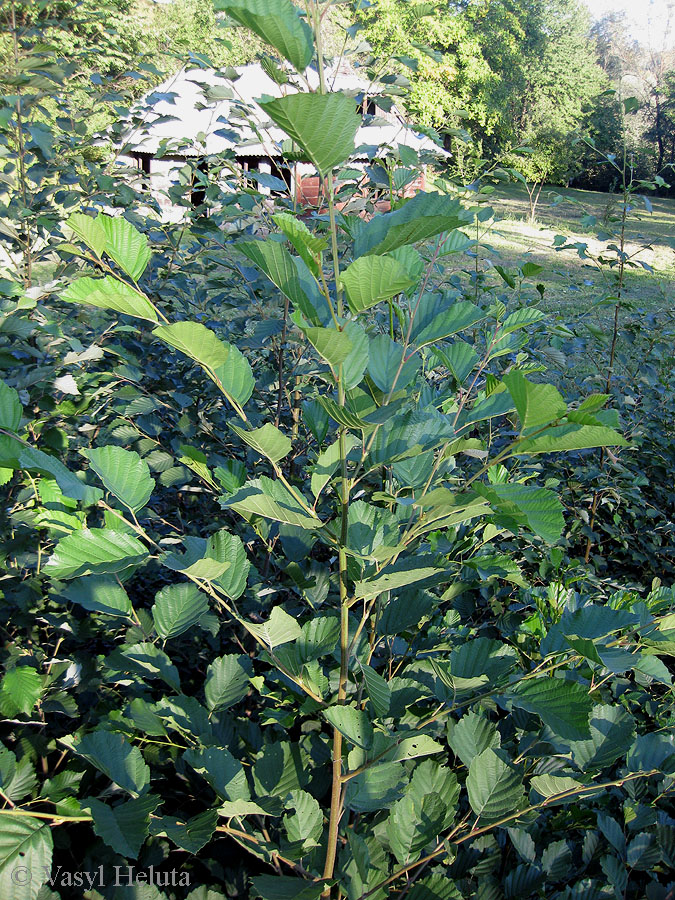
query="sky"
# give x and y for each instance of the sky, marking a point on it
(647, 17)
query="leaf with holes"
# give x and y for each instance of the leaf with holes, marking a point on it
(25, 848)
(190, 835)
(353, 723)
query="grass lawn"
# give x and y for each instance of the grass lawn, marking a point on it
(574, 285)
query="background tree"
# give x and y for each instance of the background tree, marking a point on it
(512, 72)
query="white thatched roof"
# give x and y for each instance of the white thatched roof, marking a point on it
(201, 112)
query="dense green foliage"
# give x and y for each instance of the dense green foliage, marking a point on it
(512, 74)
(298, 599)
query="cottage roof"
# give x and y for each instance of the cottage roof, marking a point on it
(203, 112)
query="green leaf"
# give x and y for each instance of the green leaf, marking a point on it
(229, 548)
(221, 770)
(113, 755)
(332, 345)
(324, 125)
(100, 595)
(27, 843)
(147, 660)
(456, 317)
(196, 341)
(283, 887)
(17, 779)
(222, 360)
(235, 376)
(327, 463)
(96, 551)
(177, 608)
(190, 835)
(277, 263)
(356, 362)
(407, 435)
(15, 454)
(271, 500)
(409, 571)
(420, 218)
(353, 723)
(10, 407)
(526, 504)
(124, 827)
(386, 365)
(371, 279)
(279, 629)
(124, 474)
(378, 690)
(612, 733)
(413, 823)
(278, 23)
(471, 736)
(308, 245)
(22, 686)
(89, 230)
(267, 441)
(495, 786)
(652, 751)
(499, 403)
(455, 242)
(125, 245)
(305, 825)
(342, 415)
(227, 681)
(537, 404)
(552, 785)
(212, 560)
(571, 436)
(109, 293)
(376, 788)
(564, 706)
(521, 318)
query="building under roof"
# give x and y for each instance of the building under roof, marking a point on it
(202, 113)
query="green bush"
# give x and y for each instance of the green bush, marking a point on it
(241, 568)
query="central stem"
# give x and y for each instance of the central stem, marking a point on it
(337, 790)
